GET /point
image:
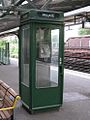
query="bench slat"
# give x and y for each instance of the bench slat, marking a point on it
(8, 96)
(11, 91)
(2, 115)
(7, 114)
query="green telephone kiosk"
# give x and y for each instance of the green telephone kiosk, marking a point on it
(41, 59)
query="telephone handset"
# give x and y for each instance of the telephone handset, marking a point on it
(44, 51)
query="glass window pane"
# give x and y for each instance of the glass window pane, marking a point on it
(25, 55)
(47, 57)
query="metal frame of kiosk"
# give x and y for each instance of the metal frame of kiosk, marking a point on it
(41, 51)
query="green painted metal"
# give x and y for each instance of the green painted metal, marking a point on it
(34, 96)
(5, 54)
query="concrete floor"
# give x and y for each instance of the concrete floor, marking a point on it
(76, 104)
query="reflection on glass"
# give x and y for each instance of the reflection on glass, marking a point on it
(47, 57)
(25, 55)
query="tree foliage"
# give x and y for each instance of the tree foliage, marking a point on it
(13, 43)
(83, 31)
(2, 43)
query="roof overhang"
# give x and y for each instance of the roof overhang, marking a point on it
(10, 9)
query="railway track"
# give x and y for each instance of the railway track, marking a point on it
(77, 59)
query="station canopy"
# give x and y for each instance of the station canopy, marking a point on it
(10, 10)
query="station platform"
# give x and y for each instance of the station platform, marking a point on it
(76, 104)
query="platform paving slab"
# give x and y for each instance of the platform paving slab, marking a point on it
(76, 104)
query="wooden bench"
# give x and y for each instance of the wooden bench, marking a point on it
(8, 99)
